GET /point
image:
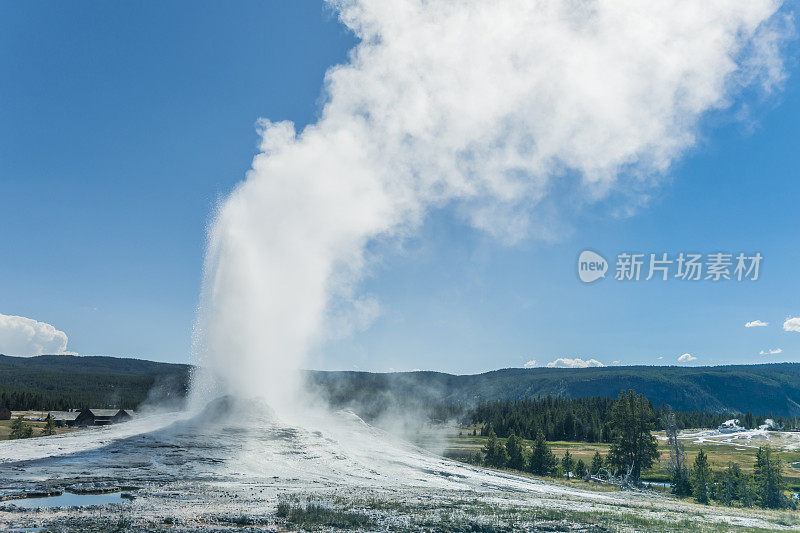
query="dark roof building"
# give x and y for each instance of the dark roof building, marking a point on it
(64, 418)
(96, 417)
(123, 415)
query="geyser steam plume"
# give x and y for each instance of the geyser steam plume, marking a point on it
(482, 105)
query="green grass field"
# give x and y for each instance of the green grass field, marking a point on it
(38, 426)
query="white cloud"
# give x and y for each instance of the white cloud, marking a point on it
(530, 364)
(685, 358)
(660, 357)
(792, 324)
(614, 362)
(27, 337)
(756, 324)
(771, 351)
(576, 362)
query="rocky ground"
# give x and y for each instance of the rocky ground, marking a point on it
(211, 472)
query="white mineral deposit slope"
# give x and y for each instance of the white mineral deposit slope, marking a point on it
(327, 449)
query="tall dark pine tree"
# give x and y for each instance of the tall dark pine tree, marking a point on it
(495, 452)
(49, 426)
(580, 469)
(701, 477)
(731, 485)
(633, 446)
(597, 464)
(542, 461)
(567, 463)
(768, 479)
(19, 429)
(516, 459)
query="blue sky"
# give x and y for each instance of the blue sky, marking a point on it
(121, 127)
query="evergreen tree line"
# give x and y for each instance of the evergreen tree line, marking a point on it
(22, 430)
(587, 419)
(765, 487)
(633, 449)
(23, 400)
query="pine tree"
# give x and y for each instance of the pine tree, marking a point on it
(769, 482)
(597, 464)
(516, 459)
(19, 429)
(701, 477)
(580, 469)
(495, 452)
(567, 463)
(49, 426)
(731, 484)
(542, 460)
(633, 447)
(681, 484)
(747, 491)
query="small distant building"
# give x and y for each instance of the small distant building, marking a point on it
(5, 413)
(96, 417)
(64, 418)
(102, 417)
(123, 415)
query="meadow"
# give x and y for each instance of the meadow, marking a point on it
(461, 444)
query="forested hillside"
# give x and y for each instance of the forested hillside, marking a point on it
(588, 419)
(60, 381)
(64, 381)
(759, 389)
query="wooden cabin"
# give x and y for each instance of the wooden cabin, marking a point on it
(102, 417)
(64, 418)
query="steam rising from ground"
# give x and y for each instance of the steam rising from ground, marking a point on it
(499, 109)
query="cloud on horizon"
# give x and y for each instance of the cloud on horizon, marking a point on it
(756, 324)
(792, 324)
(530, 364)
(685, 358)
(26, 337)
(771, 351)
(574, 362)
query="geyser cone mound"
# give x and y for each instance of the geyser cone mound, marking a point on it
(231, 408)
(223, 443)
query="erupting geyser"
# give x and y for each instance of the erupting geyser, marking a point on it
(474, 103)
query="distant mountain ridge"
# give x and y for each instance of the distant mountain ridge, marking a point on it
(67, 381)
(760, 389)
(83, 381)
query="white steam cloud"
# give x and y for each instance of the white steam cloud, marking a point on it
(26, 337)
(686, 358)
(487, 107)
(756, 324)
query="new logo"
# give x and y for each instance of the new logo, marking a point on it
(591, 266)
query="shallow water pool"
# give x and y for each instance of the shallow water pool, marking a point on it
(69, 499)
